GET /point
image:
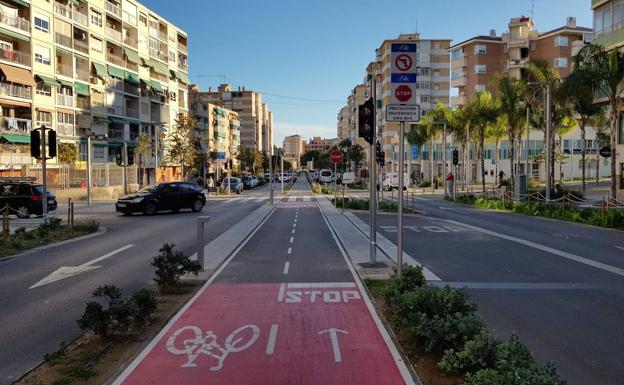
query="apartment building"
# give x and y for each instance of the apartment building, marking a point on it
(256, 119)
(102, 68)
(293, 149)
(316, 144)
(476, 61)
(342, 124)
(347, 118)
(218, 131)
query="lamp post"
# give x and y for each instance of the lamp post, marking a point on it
(548, 106)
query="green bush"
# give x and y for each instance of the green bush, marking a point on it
(425, 184)
(411, 279)
(172, 264)
(534, 375)
(442, 332)
(479, 353)
(145, 303)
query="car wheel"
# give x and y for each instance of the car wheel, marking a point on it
(150, 209)
(198, 205)
(23, 212)
(175, 210)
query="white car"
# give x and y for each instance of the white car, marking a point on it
(348, 178)
(326, 176)
(391, 181)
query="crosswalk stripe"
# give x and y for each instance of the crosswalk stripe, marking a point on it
(307, 199)
(292, 199)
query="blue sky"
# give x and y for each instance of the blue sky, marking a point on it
(318, 49)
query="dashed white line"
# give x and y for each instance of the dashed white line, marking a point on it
(286, 267)
(619, 247)
(272, 337)
(292, 239)
(290, 250)
(294, 225)
(292, 232)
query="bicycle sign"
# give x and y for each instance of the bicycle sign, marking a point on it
(207, 344)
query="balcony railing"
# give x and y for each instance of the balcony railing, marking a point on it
(134, 136)
(65, 69)
(81, 46)
(83, 103)
(182, 47)
(64, 40)
(132, 112)
(14, 56)
(15, 125)
(183, 66)
(15, 22)
(519, 43)
(65, 129)
(115, 110)
(83, 74)
(112, 58)
(131, 41)
(131, 66)
(63, 10)
(115, 134)
(116, 84)
(114, 9)
(15, 91)
(80, 18)
(64, 100)
(162, 36)
(113, 34)
(130, 19)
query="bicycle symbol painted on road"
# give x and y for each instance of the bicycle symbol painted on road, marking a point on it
(206, 343)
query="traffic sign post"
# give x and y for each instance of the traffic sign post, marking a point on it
(336, 157)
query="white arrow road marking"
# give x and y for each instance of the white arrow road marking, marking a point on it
(333, 335)
(69, 271)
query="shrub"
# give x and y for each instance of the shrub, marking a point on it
(479, 353)
(97, 318)
(411, 279)
(92, 226)
(425, 184)
(447, 331)
(534, 375)
(172, 264)
(145, 304)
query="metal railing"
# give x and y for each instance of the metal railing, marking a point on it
(113, 34)
(115, 83)
(83, 74)
(63, 10)
(112, 58)
(15, 22)
(64, 40)
(130, 19)
(81, 46)
(15, 90)
(15, 125)
(116, 134)
(183, 66)
(18, 57)
(65, 69)
(130, 41)
(80, 18)
(65, 129)
(132, 112)
(113, 8)
(64, 100)
(182, 47)
(115, 110)
(83, 103)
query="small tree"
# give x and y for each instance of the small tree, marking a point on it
(481, 113)
(67, 153)
(182, 147)
(172, 264)
(144, 151)
(601, 127)
(356, 155)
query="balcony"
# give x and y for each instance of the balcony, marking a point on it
(117, 60)
(65, 129)
(64, 69)
(131, 41)
(80, 18)
(183, 66)
(518, 43)
(132, 112)
(517, 63)
(15, 91)
(113, 8)
(15, 125)
(458, 101)
(64, 100)
(63, 40)
(116, 84)
(81, 46)
(115, 134)
(134, 136)
(130, 19)
(83, 74)
(115, 110)
(182, 47)
(63, 10)
(17, 57)
(459, 81)
(15, 22)
(113, 34)
(83, 103)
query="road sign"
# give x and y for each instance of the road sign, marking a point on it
(403, 93)
(415, 151)
(403, 73)
(336, 156)
(221, 155)
(403, 62)
(605, 152)
(402, 113)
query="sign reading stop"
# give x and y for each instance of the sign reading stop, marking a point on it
(335, 156)
(403, 93)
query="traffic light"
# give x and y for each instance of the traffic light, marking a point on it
(35, 144)
(455, 157)
(130, 156)
(51, 144)
(118, 157)
(382, 162)
(366, 121)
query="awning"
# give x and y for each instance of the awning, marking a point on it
(183, 77)
(22, 3)
(66, 52)
(47, 81)
(65, 83)
(132, 78)
(100, 70)
(159, 67)
(115, 119)
(81, 89)
(100, 119)
(116, 72)
(174, 74)
(15, 34)
(18, 75)
(154, 85)
(23, 139)
(132, 55)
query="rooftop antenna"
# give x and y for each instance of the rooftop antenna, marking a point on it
(532, 9)
(416, 25)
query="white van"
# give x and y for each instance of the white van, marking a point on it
(348, 178)
(326, 176)
(391, 181)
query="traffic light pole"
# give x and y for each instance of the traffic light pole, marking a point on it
(125, 167)
(44, 174)
(400, 208)
(271, 175)
(372, 206)
(89, 183)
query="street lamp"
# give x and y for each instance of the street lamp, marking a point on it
(548, 89)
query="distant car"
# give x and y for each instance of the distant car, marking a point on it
(326, 176)
(25, 198)
(234, 185)
(258, 181)
(348, 178)
(248, 182)
(391, 181)
(171, 196)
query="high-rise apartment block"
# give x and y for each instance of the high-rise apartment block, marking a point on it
(292, 148)
(107, 69)
(256, 120)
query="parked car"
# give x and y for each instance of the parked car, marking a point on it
(163, 196)
(258, 181)
(248, 182)
(24, 198)
(326, 176)
(235, 185)
(391, 181)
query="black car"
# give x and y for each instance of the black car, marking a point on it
(25, 198)
(171, 196)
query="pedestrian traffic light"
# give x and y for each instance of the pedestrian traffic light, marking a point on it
(51, 144)
(118, 158)
(366, 121)
(378, 151)
(455, 157)
(130, 156)
(35, 144)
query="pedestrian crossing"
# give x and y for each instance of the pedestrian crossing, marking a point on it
(294, 198)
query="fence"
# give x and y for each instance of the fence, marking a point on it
(75, 176)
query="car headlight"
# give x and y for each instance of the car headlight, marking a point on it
(137, 200)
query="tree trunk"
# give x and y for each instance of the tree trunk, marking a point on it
(561, 160)
(552, 158)
(431, 165)
(583, 153)
(482, 158)
(496, 177)
(465, 160)
(597, 168)
(512, 149)
(613, 123)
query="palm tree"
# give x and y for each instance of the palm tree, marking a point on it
(482, 111)
(496, 132)
(606, 69)
(510, 93)
(581, 94)
(428, 130)
(568, 124)
(458, 126)
(601, 127)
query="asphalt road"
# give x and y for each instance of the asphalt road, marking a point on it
(559, 285)
(36, 320)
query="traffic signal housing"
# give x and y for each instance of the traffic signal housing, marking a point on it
(130, 156)
(118, 157)
(455, 157)
(35, 144)
(366, 121)
(51, 144)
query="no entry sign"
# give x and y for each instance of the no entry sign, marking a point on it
(336, 156)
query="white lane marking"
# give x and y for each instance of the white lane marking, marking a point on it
(294, 225)
(333, 335)
(70, 271)
(292, 199)
(292, 239)
(307, 199)
(619, 247)
(320, 285)
(290, 250)
(272, 338)
(563, 254)
(282, 291)
(295, 220)
(286, 267)
(293, 231)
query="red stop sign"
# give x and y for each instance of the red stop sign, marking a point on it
(336, 156)
(403, 93)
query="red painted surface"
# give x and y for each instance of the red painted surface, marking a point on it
(336, 156)
(403, 93)
(301, 355)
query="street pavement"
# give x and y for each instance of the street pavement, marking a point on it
(287, 308)
(559, 285)
(36, 319)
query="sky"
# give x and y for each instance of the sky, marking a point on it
(305, 57)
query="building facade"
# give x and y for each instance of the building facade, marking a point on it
(107, 69)
(316, 144)
(256, 120)
(292, 148)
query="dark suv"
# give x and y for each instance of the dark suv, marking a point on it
(24, 198)
(163, 196)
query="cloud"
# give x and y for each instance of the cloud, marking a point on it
(307, 131)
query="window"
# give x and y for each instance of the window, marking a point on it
(172, 56)
(561, 62)
(42, 54)
(457, 54)
(480, 68)
(44, 117)
(43, 89)
(424, 98)
(96, 18)
(63, 118)
(143, 18)
(97, 45)
(424, 71)
(479, 88)
(480, 49)
(42, 23)
(143, 42)
(561, 41)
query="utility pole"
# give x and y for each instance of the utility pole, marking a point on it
(400, 209)
(271, 175)
(89, 182)
(44, 173)
(548, 141)
(444, 157)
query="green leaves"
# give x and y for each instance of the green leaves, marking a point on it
(172, 264)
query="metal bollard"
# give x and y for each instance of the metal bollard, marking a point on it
(69, 212)
(71, 226)
(5, 222)
(201, 241)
